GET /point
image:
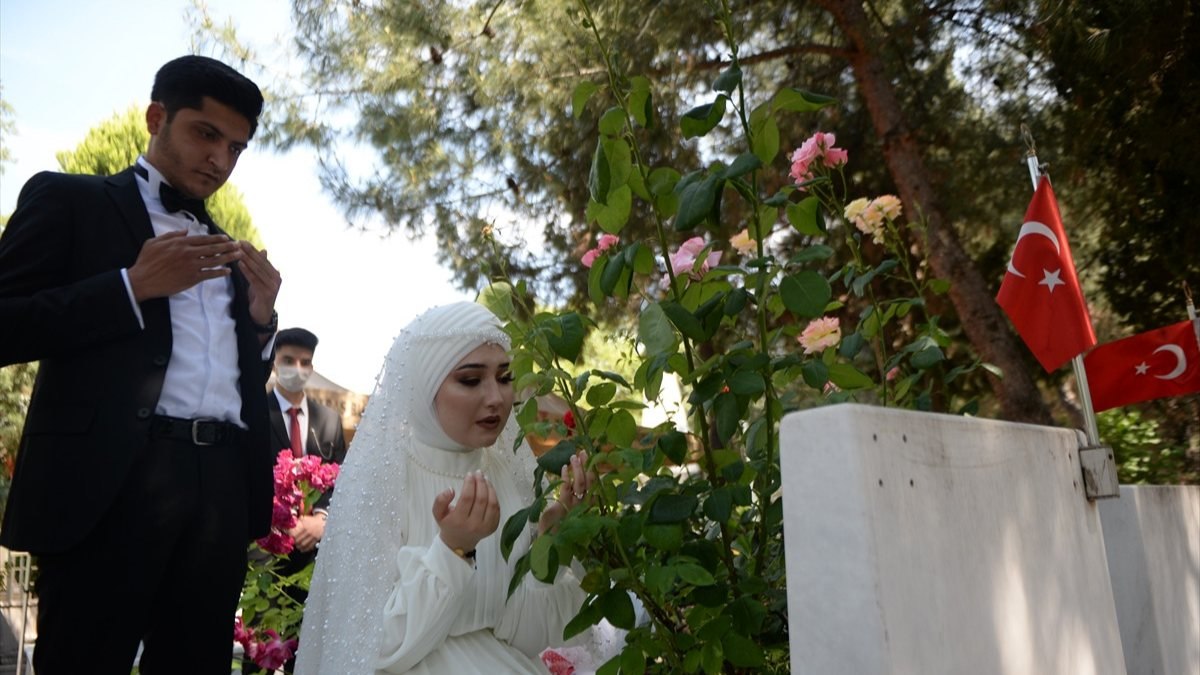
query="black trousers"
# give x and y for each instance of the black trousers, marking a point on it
(164, 566)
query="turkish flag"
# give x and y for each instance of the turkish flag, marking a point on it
(1154, 364)
(1040, 292)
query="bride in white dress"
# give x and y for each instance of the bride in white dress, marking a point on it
(410, 578)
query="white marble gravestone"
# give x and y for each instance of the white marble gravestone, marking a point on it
(933, 544)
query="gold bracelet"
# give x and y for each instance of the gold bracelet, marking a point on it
(469, 556)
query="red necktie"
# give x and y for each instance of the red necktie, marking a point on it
(297, 439)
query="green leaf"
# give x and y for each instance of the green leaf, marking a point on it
(612, 122)
(601, 394)
(668, 508)
(632, 660)
(613, 268)
(622, 428)
(719, 505)
(927, 358)
(620, 163)
(852, 344)
(557, 457)
(766, 140)
(599, 178)
(595, 274)
(742, 651)
(662, 180)
(673, 444)
(939, 286)
(702, 119)
(729, 415)
(799, 100)
(590, 615)
(747, 383)
(566, 335)
(712, 657)
(815, 373)
(696, 201)
(640, 102)
(611, 217)
(579, 97)
(513, 528)
(695, 574)
(655, 331)
(735, 302)
(684, 320)
(804, 216)
(742, 165)
(643, 259)
(543, 559)
(659, 578)
(847, 377)
(527, 415)
(810, 253)
(805, 293)
(861, 282)
(729, 79)
(617, 608)
(663, 537)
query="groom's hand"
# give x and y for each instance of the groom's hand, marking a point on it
(475, 516)
(174, 262)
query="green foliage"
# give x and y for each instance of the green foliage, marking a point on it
(692, 526)
(1143, 456)
(7, 129)
(113, 145)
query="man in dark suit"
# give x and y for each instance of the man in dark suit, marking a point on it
(305, 427)
(145, 463)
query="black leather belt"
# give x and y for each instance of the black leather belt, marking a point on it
(196, 432)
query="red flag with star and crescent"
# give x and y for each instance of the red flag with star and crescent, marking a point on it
(1155, 364)
(1040, 293)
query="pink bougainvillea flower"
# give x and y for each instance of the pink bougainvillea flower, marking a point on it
(817, 150)
(274, 651)
(241, 633)
(606, 242)
(743, 243)
(820, 334)
(277, 543)
(683, 261)
(282, 516)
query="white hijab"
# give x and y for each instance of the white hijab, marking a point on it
(356, 568)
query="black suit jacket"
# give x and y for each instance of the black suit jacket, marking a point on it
(63, 302)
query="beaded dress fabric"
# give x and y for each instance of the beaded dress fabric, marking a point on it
(387, 595)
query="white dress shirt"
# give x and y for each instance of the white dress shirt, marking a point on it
(202, 375)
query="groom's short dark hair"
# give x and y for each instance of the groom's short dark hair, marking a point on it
(185, 81)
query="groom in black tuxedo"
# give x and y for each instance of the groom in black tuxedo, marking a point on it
(145, 466)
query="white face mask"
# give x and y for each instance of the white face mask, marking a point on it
(292, 378)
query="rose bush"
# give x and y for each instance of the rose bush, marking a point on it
(687, 528)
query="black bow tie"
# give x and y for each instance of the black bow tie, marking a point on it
(173, 200)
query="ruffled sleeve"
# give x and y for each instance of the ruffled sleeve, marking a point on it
(537, 612)
(423, 605)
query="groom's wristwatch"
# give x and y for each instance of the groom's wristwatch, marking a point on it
(268, 328)
(469, 556)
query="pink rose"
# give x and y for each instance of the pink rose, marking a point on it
(684, 260)
(820, 334)
(817, 150)
(743, 243)
(606, 242)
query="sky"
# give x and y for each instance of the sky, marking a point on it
(68, 65)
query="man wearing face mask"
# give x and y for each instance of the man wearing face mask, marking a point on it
(306, 428)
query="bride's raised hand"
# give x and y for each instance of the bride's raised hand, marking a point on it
(473, 517)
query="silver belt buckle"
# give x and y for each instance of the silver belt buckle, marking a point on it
(196, 430)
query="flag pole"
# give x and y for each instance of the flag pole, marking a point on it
(1191, 309)
(1085, 394)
